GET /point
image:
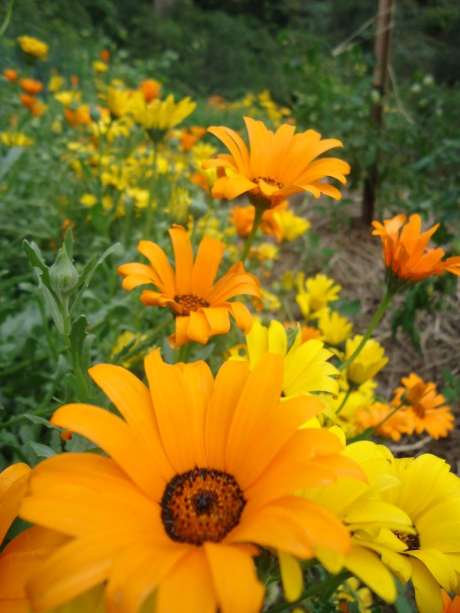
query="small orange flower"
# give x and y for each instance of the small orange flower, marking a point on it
(450, 605)
(151, 89)
(78, 117)
(31, 86)
(28, 101)
(277, 164)
(429, 409)
(74, 80)
(191, 136)
(402, 422)
(243, 220)
(201, 307)
(405, 249)
(10, 74)
(105, 56)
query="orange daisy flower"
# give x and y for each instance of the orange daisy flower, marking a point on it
(25, 552)
(28, 101)
(80, 116)
(31, 86)
(406, 251)
(191, 136)
(429, 409)
(13, 484)
(277, 164)
(202, 307)
(243, 220)
(105, 56)
(401, 422)
(10, 74)
(450, 605)
(151, 89)
(199, 474)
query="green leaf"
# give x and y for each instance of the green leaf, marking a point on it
(52, 306)
(89, 270)
(10, 158)
(42, 451)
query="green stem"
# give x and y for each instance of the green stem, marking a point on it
(344, 401)
(376, 319)
(152, 190)
(250, 238)
(385, 419)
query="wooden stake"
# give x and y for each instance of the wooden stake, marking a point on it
(379, 84)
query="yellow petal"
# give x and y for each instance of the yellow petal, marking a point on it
(291, 576)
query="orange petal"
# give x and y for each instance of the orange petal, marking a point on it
(198, 329)
(13, 484)
(242, 316)
(260, 394)
(188, 587)
(173, 406)
(218, 320)
(229, 382)
(73, 569)
(138, 572)
(207, 262)
(160, 265)
(235, 580)
(115, 437)
(183, 256)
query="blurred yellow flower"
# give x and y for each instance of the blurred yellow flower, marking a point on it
(291, 226)
(367, 363)
(334, 327)
(316, 294)
(99, 66)
(15, 139)
(88, 200)
(33, 46)
(158, 115)
(265, 252)
(68, 97)
(56, 82)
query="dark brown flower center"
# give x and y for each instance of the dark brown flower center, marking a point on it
(189, 302)
(270, 181)
(201, 505)
(411, 540)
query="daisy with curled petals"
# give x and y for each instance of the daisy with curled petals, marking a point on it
(276, 165)
(202, 307)
(199, 474)
(406, 251)
(427, 407)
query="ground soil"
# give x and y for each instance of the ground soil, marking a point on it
(357, 265)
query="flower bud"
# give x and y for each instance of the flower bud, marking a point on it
(63, 274)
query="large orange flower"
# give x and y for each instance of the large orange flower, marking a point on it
(202, 307)
(406, 251)
(430, 411)
(13, 484)
(200, 473)
(277, 164)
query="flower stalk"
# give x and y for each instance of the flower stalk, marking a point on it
(376, 319)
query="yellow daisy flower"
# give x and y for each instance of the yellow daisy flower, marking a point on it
(306, 366)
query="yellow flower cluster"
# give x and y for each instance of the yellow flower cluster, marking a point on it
(33, 46)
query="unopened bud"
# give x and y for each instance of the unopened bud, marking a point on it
(63, 274)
